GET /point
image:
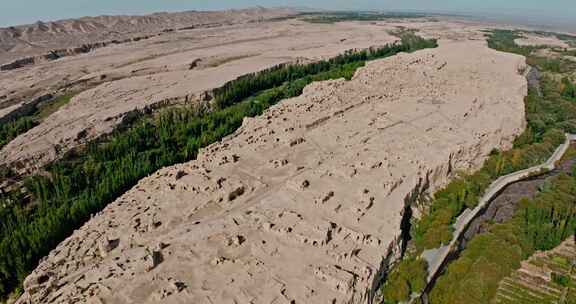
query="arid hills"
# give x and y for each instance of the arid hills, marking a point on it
(173, 68)
(302, 204)
(43, 38)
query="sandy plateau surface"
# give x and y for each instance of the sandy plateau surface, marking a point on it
(173, 68)
(300, 204)
(538, 40)
(176, 67)
(63, 37)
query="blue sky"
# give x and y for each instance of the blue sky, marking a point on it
(14, 12)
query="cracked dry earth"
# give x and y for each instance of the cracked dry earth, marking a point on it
(300, 204)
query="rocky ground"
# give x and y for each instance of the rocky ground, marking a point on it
(176, 67)
(301, 204)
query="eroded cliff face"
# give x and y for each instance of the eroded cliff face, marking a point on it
(301, 204)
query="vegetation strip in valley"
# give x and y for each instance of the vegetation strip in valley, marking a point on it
(550, 112)
(334, 17)
(86, 180)
(539, 224)
(20, 125)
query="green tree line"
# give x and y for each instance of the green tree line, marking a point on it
(334, 17)
(85, 181)
(568, 89)
(14, 127)
(539, 224)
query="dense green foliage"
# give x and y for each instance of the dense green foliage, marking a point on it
(15, 127)
(539, 224)
(503, 40)
(245, 86)
(560, 279)
(435, 228)
(546, 123)
(568, 89)
(85, 181)
(408, 277)
(334, 17)
(46, 109)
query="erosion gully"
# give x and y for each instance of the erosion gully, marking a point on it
(505, 204)
(501, 208)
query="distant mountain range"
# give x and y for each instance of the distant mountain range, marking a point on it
(41, 37)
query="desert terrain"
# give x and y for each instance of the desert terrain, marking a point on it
(176, 67)
(44, 41)
(168, 69)
(27, 86)
(301, 204)
(541, 40)
(313, 199)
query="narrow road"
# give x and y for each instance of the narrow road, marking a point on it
(438, 257)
